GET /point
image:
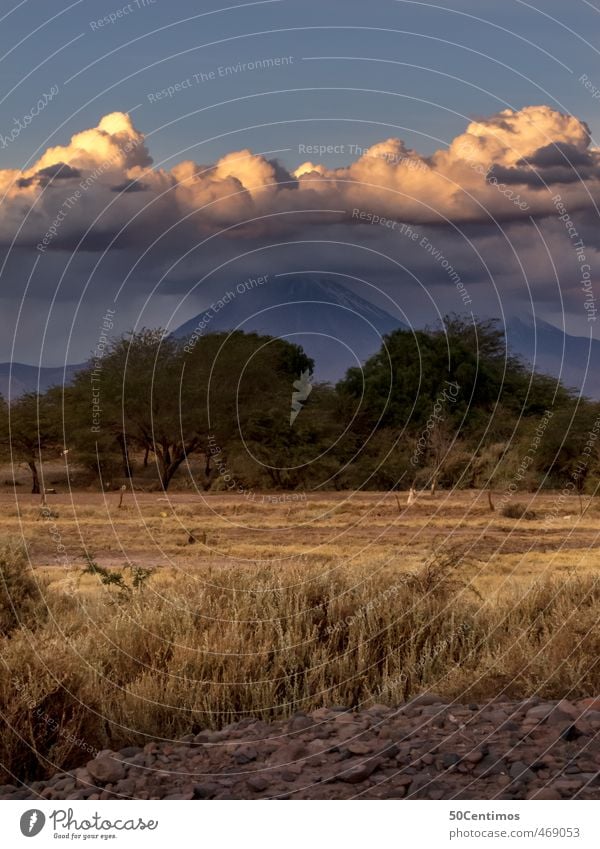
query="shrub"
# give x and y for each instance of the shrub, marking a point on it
(518, 511)
(21, 603)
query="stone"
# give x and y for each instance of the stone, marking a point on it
(539, 713)
(106, 769)
(204, 791)
(83, 778)
(570, 733)
(257, 783)
(547, 793)
(359, 748)
(300, 723)
(360, 772)
(245, 755)
(130, 752)
(473, 757)
(568, 708)
(521, 771)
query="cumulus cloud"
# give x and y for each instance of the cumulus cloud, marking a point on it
(108, 174)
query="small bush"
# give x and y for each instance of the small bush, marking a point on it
(139, 576)
(21, 603)
(518, 511)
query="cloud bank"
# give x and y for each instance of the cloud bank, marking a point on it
(503, 168)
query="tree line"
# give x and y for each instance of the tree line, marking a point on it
(439, 407)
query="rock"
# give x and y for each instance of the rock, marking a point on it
(437, 710)
(204, 791)
(449, 754)
(570, 733)
(360, 772)
(188, 739)
(300, 722)
(473, 757)
(521, 771)
(490, 765)
(360, 748)
(547, 793)
(291, 752)
(539, 713)
(496, 717)
(245, 755)
(592, 716)
(569, 709)
(207, 737)
(106, 769)
(83, 778)
(130, 752)
(126, 786)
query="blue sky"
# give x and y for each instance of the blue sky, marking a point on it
(449, 68)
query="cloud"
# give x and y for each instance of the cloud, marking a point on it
(536, 151)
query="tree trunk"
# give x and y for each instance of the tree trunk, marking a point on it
(168, 471)
(127, 471)
(146, 453)
(35, 481)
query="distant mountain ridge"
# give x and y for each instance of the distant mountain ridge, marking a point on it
(338, 329)
(18, 378)
(334, 325)
(574, 359)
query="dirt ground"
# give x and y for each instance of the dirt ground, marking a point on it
(343, 529)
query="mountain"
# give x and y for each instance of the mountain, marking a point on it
(334, 325)
(555, 352)
(338, 329)
(18, 378)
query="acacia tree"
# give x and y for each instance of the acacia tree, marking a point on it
(163, 398)
(29, 428)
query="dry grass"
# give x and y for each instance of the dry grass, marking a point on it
(105, 670)
(340, 599)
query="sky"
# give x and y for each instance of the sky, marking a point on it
(152, 154)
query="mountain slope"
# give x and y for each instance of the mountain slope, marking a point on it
(334, 325)
(557, 353)
(18, 378)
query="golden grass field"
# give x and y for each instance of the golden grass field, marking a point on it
(339, 598)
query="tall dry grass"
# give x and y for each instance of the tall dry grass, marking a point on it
(104, 669)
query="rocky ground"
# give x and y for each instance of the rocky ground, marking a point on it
(425, 749)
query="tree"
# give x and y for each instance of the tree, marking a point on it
(159, 397)
(30, 426)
